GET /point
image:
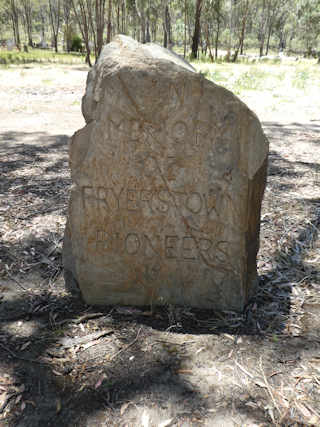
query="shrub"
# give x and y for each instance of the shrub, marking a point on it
(76, 44)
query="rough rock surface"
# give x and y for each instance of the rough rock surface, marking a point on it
(168, 177)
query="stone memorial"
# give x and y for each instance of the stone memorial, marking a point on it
(168, 177)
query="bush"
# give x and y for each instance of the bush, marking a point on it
(76, 44)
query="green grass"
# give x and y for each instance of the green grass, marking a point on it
(47, 81)
(251, 79)
(266, 87)
(301, 78)
(40, 56)
(243, 77)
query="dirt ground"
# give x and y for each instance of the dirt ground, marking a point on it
(64, 363)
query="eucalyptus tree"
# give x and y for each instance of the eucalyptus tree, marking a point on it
(67, 8)
(167, 27)
(242, 10)
(141, 9)
(28, 14)
(55, 20)
(197, 29)
(13, 9)
(309, 20)
(101, 21)
(90, 16)
(213, 22)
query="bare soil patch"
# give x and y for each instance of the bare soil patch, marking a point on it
(63, 363)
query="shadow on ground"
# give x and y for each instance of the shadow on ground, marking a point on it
(129, 365)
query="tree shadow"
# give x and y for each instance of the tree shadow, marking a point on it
(59, 391)
(63, 388)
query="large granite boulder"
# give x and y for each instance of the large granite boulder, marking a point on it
(168, 176)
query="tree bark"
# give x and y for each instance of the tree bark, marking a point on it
(185, 30)
(123, 18)
(218, 19)
(197, 30)
(208, 42)
(82, 19)
(55, 16)
(118, 18)
(216, 42)
(140, 9)
(27, 8)
(261, 35)
(99, 9)
(15, 23)
(148, 35)
(67, 31)
(268, 39)
(167, 34)
(109, 24)
(242, 31)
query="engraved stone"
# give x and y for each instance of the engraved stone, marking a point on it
(168, 178)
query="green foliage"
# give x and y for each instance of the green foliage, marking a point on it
(39, 56)
(301, 78)
(76, 44)
(266, 87)
(252, 79)
(214, 75)
(266, 25)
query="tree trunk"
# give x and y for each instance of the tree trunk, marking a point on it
(167, 34)
(143, 28)
(68, 27)
(15, 23)
(100, 9)
(189, 27)
(54, 14)
(268, 39)
(27, 8)
(218, 19)
(165, 31)
(197, 29)
(168, 26)
(148, 35)
(154, 30)
(208, 42)
(83, 23)
(261, 35)
(216, 43)
(118, 18)
(185, 30)
(242, 32)
(43, 27)
(109, 24)
(261, 47)
(123, 18)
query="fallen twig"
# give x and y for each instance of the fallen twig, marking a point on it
(67, 342)
(17, 282)
(7, 399)
(14, 355)
(244, 370)
(80, 319)
(268, 387)
(126, 347)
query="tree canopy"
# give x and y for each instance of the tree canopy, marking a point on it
(197, 27)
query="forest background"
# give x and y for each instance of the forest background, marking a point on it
(214, 29)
